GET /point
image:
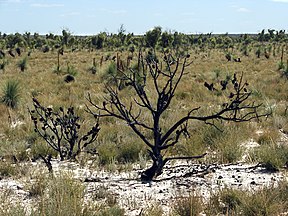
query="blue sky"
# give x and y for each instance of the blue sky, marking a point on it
(187, 16)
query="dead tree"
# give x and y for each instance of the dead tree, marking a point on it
(60, 130)
(156, 99)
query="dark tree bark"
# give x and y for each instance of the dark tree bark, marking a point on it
(165, 81)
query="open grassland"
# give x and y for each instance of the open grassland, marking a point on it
(41, 81)
(118, 147)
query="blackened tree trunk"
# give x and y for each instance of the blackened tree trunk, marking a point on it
(165, 81)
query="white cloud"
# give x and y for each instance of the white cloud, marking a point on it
(243, 10)
(240, 9)
(47, 5)
(284, 1)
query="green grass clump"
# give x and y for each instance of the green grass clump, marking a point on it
(221, 140)
(128, 152)
(272, 156)
(64, 196)
(269, 200)
(11, 93)
(71, 70)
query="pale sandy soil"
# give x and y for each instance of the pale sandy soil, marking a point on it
(179, 178)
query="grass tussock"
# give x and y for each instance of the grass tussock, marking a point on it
(271, 200)
(11, 94)
(192, 205)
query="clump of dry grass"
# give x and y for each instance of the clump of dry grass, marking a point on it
(154, 209)
(191, 205)
(270, 200)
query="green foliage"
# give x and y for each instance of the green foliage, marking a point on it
(110, 74)
(269, 200)
(221, 140)
(111, 70)
(285, 71)
(228, 56)
(152, 37)
(98, 41)
(11, 93)
(93, 69)
(151, 57)
(71, 70)
(41, 148)
(281, 65)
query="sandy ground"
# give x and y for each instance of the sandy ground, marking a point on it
(179, 178)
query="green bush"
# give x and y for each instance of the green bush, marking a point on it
(269, 200)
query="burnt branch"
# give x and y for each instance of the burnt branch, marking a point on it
(154, 88)
(61, 129)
